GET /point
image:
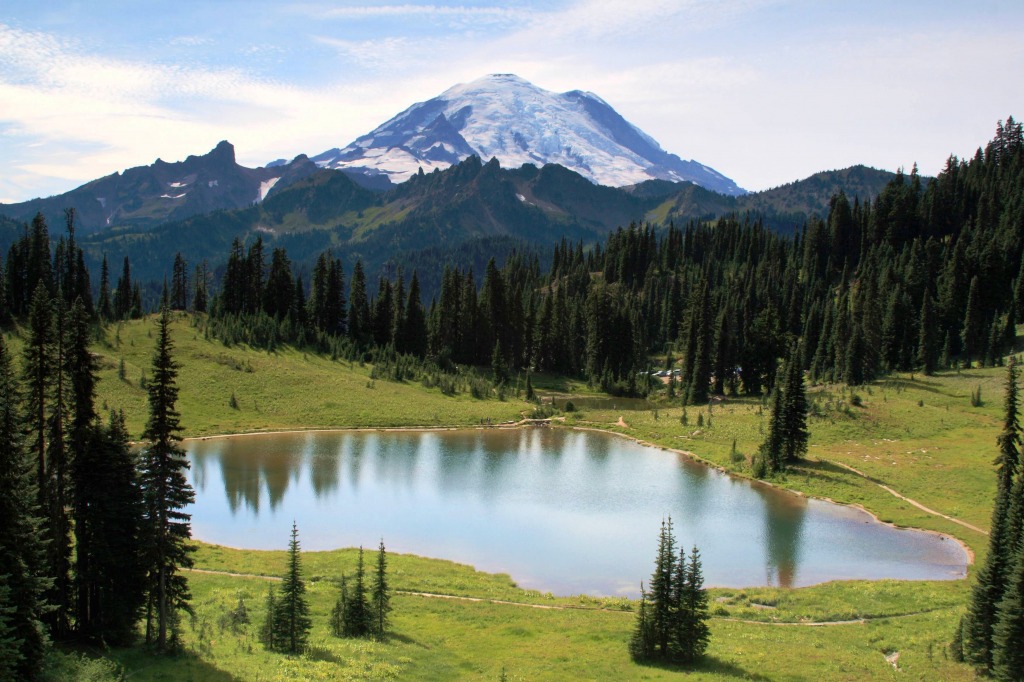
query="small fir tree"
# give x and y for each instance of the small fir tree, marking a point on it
(381, 595)
(291, 618)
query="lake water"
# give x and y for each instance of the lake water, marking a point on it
(562, 511)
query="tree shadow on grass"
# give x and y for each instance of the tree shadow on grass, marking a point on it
(823, 470)
(184, 666)
(404, 639)
(707, 664)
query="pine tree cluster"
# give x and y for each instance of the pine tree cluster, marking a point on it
(671, 622)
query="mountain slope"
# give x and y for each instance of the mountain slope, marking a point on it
(508, 118)
(432, 216)
(146, 196)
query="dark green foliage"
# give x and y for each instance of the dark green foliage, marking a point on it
(179, 284)
(109, 581)
(58, 478)
(337, 622)
(267, 634)
(672, 619)
(38, 366)
(166, 493)
(993, 576)
(380, 596)
(1008, 632)
(794, 411)
(772, 451)
(691, 627)
(353, 614)
(292, 623)
(110, 576)
(928, 342)
(22, 552)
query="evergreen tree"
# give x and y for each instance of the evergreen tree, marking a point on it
(179, 283)
(988, 590)
(340, 607)
(280, 293)
(291, 619)
(358, 616)
(771, 453)
(672, 620)
(415, 321)
(109, 574)
(38, 368)
(692, 632)
(661, 592)
(794, 411)
(359, 323)
(1008, 633)
(124, 293)
(974, 324)
(381, 595)
(499, 368)
(928, 342)
(21, 545)
(39, 271)
(199, 298)
(700, 374)
(103, 305)
(58, 479)
(166, 492)
(641, 643)
(268, 630)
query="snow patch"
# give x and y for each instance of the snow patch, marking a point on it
(212, 183)
(177, 196)
(103, 201)
(178, 185)
(266, 186)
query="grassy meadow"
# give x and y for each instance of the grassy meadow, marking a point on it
(919, 436)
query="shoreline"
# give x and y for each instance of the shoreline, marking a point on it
(964, 547)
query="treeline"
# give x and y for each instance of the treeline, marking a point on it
(927, 276)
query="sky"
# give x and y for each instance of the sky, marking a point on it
(764, 91)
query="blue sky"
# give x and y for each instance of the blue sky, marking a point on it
(764, 91)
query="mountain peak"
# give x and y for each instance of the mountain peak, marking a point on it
(504, 116)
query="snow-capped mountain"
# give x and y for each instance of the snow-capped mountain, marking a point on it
(508, 118)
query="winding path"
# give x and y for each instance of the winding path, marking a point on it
(905, 498)
(554, 607)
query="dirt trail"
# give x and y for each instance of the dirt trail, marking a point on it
(907, 499)
(554, 607)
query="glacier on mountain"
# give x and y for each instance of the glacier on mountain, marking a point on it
(506, 117)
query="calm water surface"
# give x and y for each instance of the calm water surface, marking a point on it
(561, 511)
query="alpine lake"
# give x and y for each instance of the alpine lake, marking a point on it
(559, 510)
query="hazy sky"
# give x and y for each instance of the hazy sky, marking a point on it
(764, 91)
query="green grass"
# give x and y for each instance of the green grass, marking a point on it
(918, 435)
(287, 389)
(436, 639)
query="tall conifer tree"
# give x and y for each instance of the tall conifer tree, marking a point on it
(21, 544)
(980, 619)
(166, 493)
